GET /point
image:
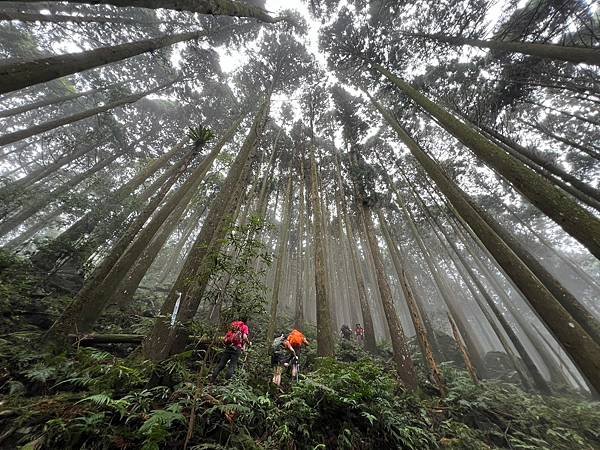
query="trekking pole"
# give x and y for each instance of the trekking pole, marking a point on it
(297, 367)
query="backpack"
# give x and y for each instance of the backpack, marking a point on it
(278, 343)
(234, 336)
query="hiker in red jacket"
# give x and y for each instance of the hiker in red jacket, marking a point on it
(360, 333)
(235, 342)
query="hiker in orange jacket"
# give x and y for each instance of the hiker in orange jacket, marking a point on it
(286, 351)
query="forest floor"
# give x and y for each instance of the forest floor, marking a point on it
(112, 398)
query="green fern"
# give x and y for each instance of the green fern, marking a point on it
(200, 135)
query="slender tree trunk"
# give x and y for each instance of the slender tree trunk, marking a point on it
(567, 300)
(78, 310)
(573, 218)
(20, 74)
(536, 126)
(441, 286)
(172, 262)
(367, 318)
(402, 359)
(92, 302)
(554, 351)
(325, 333)
(463, 266)
(47, 101)
(43, 222)
(231, 8)
(16, 136)
(42, 172)
(463, 350)
(565, 113)
(189, 287)
(71, 240)
(129, 286)
(281, 258)
(42, 201)
(591, 195)
(300, 274)
(417, 319)
(62, 18)
(576, 55)
(580, 346)
(506, 300)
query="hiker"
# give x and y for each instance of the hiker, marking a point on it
(360, 333)
(346, 332)
(286, 351)
(235, 342)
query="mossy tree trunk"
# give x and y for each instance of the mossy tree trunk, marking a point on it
(579, 345)
(577, 55)
(415, 313)
(21, 74)
(402, 359)
(19, 135)
(563, 209)
(71, 240)
(325, 334)
(233, 8)
(281, 258)
(164, 339)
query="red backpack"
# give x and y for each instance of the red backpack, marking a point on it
(235, 335)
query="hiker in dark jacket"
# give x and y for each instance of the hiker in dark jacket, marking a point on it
(285, 350)
(235, 342)
(346, 332)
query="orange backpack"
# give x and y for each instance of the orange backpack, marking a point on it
(296, 338)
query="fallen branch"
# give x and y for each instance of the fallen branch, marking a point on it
(93, 339)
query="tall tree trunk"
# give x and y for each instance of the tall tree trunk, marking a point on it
(441, 286)
(591, 195)
(565, 113)
(62, 18)
(403, 362)
(77, 311)
(56, 123)
(463, 350)
(47, 101)
(129, 286)
(580, 346)
(281, 258)
(469, 277)
(42, 201)
(300, 274)
(415, 314)
(325, 334)
(567, 300)
(71, 238)
(231, 8)
(577, 55)
(44, 222)
(367, 318)
(573, 218)
(42, 172)
(554, 351)
(90, 303)
(20, 74)
(506, 300)
(537, 126)
(188, 289)
(172, 262)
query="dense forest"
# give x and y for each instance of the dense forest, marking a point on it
(413, 185)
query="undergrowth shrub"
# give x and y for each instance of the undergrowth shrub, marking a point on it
(93, 399)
